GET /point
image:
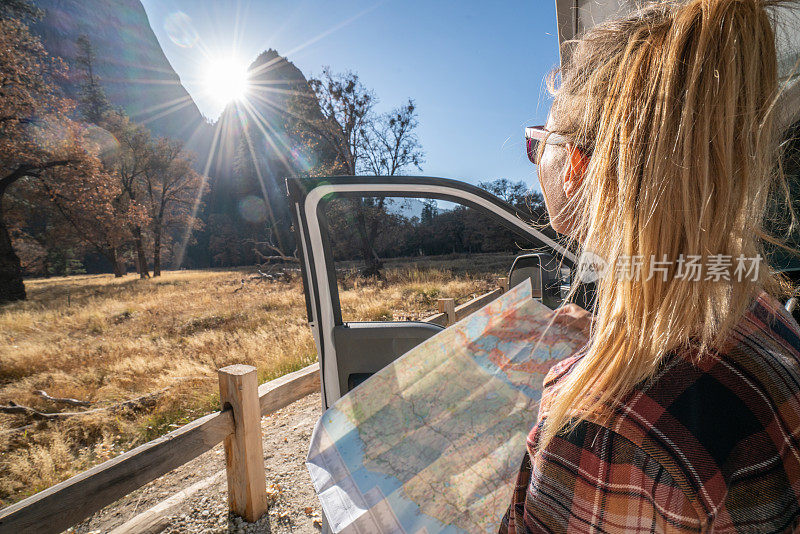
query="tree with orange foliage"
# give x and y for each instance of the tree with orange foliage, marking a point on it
(39, 144)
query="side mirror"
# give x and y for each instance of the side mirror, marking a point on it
(545, 273)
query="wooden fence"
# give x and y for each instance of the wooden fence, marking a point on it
(71, 501)
(449, 313)
(237, 424)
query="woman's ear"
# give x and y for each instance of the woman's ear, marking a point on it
(573, 178)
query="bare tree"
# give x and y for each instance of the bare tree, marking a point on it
(346, 109)
(128, 164)
(336, 117)
(390, 142)
(171, 188)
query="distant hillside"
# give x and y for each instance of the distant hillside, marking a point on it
(134, 70)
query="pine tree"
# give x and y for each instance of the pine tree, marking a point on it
(430, 209)
(93, 100)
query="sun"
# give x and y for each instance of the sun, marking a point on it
(226, 79)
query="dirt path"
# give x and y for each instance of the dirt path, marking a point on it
(294, 509)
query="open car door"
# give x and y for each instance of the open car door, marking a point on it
(349, 352)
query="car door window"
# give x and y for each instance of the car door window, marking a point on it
(396, 257)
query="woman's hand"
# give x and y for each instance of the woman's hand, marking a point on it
(573, 315)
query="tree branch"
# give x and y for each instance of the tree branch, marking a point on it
(145, 401)
(28, 170)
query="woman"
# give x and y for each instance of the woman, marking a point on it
(682, 414)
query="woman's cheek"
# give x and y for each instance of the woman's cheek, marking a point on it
(551, 191)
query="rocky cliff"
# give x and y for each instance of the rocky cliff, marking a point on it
(130, 63)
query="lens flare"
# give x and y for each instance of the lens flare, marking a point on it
(253, 209)
(180, 29)
(300, 160)
(99, 141)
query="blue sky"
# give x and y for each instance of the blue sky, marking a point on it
(475, 69)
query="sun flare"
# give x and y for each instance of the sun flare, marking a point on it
(226, 79)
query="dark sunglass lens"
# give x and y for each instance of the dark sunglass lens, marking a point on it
(533, 149)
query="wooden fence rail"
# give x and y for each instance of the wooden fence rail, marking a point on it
(67, 503)
(448, 317)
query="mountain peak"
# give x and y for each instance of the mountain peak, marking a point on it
(271, 66)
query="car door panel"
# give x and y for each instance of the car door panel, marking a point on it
(348, 352)
(371, 346)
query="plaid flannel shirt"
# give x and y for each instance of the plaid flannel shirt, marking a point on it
(709, 446)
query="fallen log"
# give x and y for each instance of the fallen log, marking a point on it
(61, 400)
(18, 409)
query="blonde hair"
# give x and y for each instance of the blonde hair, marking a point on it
(673, 103)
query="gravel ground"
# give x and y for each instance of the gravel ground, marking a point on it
(293, 505)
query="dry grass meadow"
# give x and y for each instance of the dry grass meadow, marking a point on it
(106, 340)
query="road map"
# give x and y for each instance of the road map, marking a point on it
(433, 442)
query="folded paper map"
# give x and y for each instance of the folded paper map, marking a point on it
(433, 442)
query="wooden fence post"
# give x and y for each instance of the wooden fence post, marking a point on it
(448, 306)
(503, 283)
(244, 453)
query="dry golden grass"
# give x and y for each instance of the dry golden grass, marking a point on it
(104, 340)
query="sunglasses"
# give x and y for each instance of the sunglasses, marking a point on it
(535, 136)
